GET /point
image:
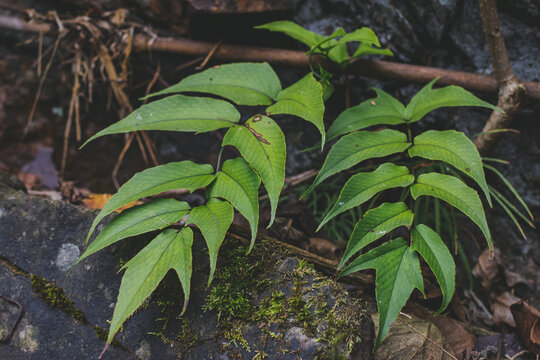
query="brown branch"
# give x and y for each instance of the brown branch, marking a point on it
(368, 68)
(511, 91)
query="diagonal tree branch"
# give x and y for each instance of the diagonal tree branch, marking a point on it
(511, 91)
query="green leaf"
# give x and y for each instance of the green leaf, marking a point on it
(242, 83)
(213, 219)
(176, 113)
(328, 42)
(262, 144)
(511, 188)
(169, 250)
(295, 31)
(177, 175)
(430, 245)
(362, 186)
(237, 183)
(141, 219)
(303, 99)
(457, 194)
(397, 275)
(364, 34)
(357, 147)
(428, 99)
(366, 49)
(374, 224)
(454, 148)
(382, 110)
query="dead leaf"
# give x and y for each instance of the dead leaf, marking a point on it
(98, 201)
(500, 306)
(487, 268)
(459, 339)
(411, 337)
(513, 278)
(528, 325)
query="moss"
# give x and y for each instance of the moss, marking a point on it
(184, 340)
(56, 298)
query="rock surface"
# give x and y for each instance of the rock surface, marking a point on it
(265, 303)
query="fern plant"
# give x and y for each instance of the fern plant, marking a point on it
(396, 261)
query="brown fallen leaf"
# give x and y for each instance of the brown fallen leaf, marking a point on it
(487, 268)
(459, 339)
(98, 201)
(500, 306)
(411, 337)
(528, 325)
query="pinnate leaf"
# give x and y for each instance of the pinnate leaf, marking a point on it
(456, 193)
(176, 113)
(454, 148)
(382, 110)
(374, 224)
(357, 147)
(397, 275)
(430, 246)
(141, 219)
(366, 49)
(213, 219)
(237, 183)
(362, 186)
(242, 83)
(428, 99)
(177, 175)
(295, 31)
(364, 34)
(262, 143)
(169, 250)
(303, 99)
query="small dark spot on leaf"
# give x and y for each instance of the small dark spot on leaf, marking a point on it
(467, 169)
(356, 145)
(211, 79)
(371, 230)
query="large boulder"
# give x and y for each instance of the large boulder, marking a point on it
(268, 302)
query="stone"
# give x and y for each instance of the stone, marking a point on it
(245, 312)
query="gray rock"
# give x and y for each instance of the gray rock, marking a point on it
(271, 315)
